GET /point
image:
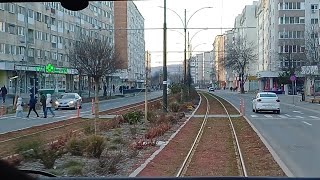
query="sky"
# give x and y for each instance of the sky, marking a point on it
(221, 14)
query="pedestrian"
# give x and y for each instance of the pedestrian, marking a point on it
(32, 105)
(114, 88)
(49, 104)
(104, 90)
(19, 109)
(4, 92)
(43, 101)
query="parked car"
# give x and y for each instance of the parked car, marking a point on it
(68, 101)
(211, 89)
(266, 101)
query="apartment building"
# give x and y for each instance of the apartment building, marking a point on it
(35, 39)
(283, 26)
(201, 68)
(219, 54)
(129, 42)
(208, 67)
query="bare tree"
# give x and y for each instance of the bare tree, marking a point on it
(238, 56)
(311, 61)
(96, 58)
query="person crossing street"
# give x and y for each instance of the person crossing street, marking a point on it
(49, 105)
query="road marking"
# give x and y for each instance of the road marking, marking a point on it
(288, 115)
(254, 116)
(282, 116)
(314, 117)
(307, 123)
(268, 116)
(299, 112)
(300, 117)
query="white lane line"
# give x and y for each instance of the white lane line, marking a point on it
(282, 116)
(254, 116)
(314, 117)
(299, 112)
(300, 117)
(288, 115)
(307, 123)
(268, 116)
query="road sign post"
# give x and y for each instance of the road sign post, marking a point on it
(293, 79)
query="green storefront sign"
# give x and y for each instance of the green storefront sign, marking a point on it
(49, 68)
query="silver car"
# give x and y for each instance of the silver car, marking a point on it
(68, 101)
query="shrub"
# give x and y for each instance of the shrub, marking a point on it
(133, 132)
(156, 131)
(75, 170)
(105, 125)
(110, 161)
(48, 157)
(74, 167)
(76, 146)
(161, 119)
(133, 117)
(88, 129)
(176, 88)
(29, 149)
(118, 140)
(151, 116)
(173, 119)
(95, 146)
(174, 107)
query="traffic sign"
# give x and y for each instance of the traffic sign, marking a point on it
(293, 78)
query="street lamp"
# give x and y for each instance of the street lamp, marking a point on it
(185, 23)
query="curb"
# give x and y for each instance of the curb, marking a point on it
(275, 156)
(144, 165)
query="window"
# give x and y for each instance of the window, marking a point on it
(11, 29)
(31, 52)
(39, 53)
(66, 25)
(46, 54)
(39, 16)
(60, 24)
(1, 6)
(11, 8)
(314, 6)
(12, 49)
(38, 35)
(301, 20)
(2, 48)
(314, 21)
(314, 35)
(30, 13)
(53, 38)
(53, 21)
(46, 19)
(47, 37)
(2, 26)
(21, 31)
(21, 50)
(60, 56)
(60, 39)
(54, 55)
(21, 10)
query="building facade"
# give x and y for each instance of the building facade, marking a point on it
(219, 50)
(35, 39)
(129, 43)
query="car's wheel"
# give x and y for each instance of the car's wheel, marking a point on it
(253, 110)
(56, 109)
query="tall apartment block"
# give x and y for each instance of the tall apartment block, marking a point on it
(284, 28)
(129, 43)
(35, 35)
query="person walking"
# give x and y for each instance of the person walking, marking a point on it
(43, 101)
(19, 109)
(49, 104)
(32, 105)
(4, 92)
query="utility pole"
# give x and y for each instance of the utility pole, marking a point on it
(146, 91)
(165, 100)
(185, 46)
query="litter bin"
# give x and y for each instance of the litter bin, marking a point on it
(303, 97)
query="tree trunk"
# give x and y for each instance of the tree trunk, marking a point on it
(242, 84)
(96, 103)
(79, 85)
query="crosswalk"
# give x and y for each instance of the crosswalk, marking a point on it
(284, 116)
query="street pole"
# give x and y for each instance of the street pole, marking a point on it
(185, 46)
(145, 93)
(165, 100)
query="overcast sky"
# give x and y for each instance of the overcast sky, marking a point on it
(222, 14)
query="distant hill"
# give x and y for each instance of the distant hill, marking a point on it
(174, 68)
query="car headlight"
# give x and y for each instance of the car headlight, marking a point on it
(57, 103)
(71, 102)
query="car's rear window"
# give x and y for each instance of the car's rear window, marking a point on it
(268, 95)
(68, 96)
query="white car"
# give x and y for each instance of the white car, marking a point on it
(68, 101)
(266, 101)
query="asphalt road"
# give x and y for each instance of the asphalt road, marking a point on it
(293, 134)
(11, 123)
